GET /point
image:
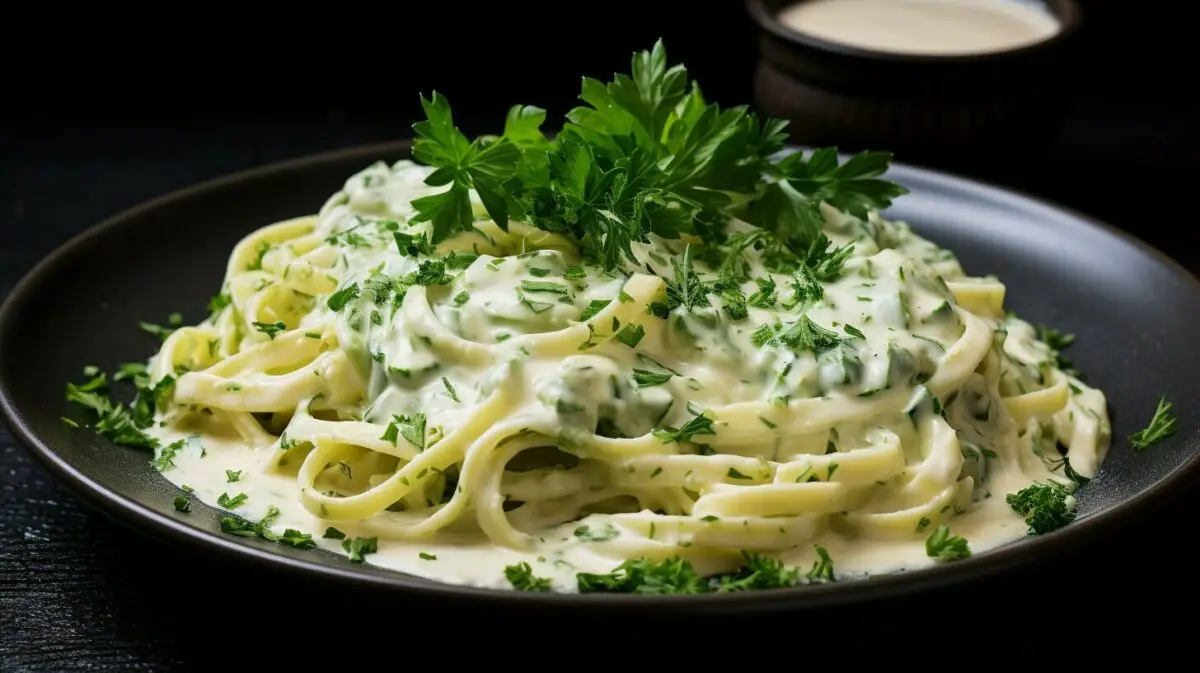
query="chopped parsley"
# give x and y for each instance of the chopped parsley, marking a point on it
(338, 300)
(231, 476)
(174, 321)
(759, 572)
(700, 424)
(853, 331)
(521, 577)
(270, 329)
(1058, 342)
(236, 525)
(411, 428)
(231, 503)
(645, 379)
(544, 286)
(182, 504)
(945, 546)
(822, 568)
(359, 547)
(165, 458)
(643, 576)
(631, 335)
(596, 534)
(297, 539)
(677, 576)
(593, 307)
(450, 389)
(1162, 425)
(1045, 507)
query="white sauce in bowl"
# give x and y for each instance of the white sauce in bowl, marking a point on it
(927, 27)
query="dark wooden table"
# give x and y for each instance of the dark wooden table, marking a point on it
(78, 591)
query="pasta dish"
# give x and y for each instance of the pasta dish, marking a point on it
(651, 354)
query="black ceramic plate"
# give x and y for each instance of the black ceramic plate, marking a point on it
(1135, 313)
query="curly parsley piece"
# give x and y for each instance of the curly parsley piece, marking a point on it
(1045, 507)
(945, 546)
(359, 547)
(521, 577)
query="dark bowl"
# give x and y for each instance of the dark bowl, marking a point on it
(958, 111)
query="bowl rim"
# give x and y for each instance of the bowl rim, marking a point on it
(123, 508)
(1069, 14)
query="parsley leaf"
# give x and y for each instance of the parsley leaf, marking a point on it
(802, 335)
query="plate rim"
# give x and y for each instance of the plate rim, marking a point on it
(1026, 552)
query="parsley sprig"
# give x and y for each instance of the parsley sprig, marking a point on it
(645, 153)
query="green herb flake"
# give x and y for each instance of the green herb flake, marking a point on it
(945, 546)
(1161, 426)
(359, 547)
(521, 577)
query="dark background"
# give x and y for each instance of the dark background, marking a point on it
(105, 110)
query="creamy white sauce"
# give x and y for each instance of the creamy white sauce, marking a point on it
(935, 27)
(894, 290)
